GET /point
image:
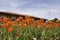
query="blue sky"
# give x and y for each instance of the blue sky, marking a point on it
(40, 8)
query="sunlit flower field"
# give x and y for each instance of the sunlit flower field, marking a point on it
(29, 29)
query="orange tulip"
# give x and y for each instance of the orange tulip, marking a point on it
(17, 20)
(4, 25)
(42, 20)
(5, 19)
(14, 23)
(24, 21)
(58, 24)
(53, 26)
(9, 29)
(27, 17)
(9, 23)
(20, 19)
(31, 20)
(24, 25)
(36, 24)
(27, 21)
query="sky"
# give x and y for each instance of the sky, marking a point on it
(40, 8)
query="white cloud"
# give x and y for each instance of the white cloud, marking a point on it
(33, 8)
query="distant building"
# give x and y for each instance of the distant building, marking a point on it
(15, 15)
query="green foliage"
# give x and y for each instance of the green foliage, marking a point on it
(30, 34)
(54, 20)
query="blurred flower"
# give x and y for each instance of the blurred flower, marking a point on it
(31, 20)
(24, 21)
(27, 17)
(46, 28)
(9, 23)
(24, 25)
(5, 19)
(9, 29)
(14, 23)
(17, 20)
(42, 19)
(20, 18)
(57, 21)
(0, 19)
(4, 25)
(58, 24)
(27, 21)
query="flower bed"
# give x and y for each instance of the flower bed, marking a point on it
(29, 29)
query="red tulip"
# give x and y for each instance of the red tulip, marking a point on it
(0, 19)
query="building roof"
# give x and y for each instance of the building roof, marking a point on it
(17, 14)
